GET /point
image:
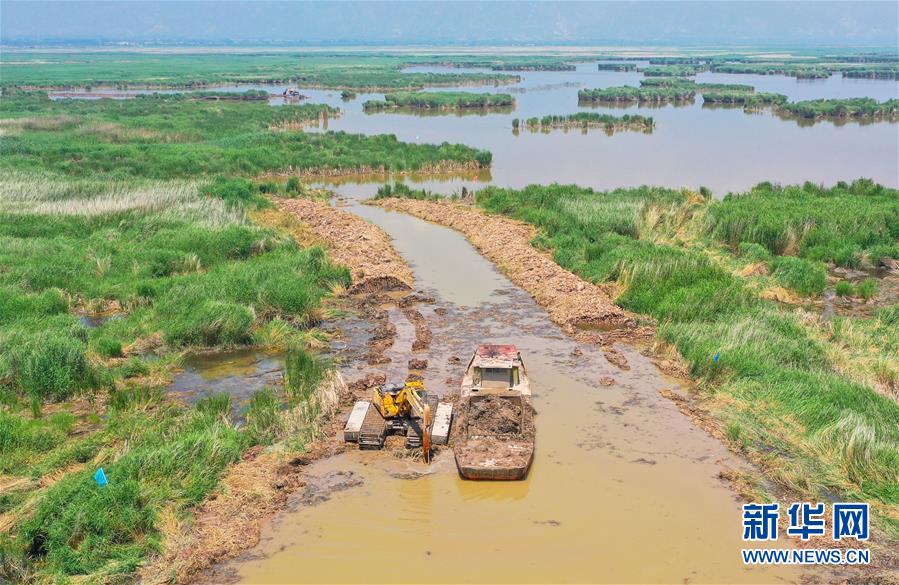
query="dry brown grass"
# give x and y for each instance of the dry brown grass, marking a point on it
(15, 126)
(288, 224)
(22, 192)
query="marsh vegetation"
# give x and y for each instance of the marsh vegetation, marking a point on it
(672, 70)
(440, 101)
(176, 265)
(621, 67)
(164, 136)
(661, 90)
(127, 239)
(586, 120)
(201, 70)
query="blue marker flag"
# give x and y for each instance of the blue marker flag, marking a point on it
(716, 357)
(100, 477)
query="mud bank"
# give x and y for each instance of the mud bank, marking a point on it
(361, 246)
(579, 307)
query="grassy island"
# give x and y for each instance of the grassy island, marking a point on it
(850, 108)
(616, 66)
(672, 70)
(586, 120)
(629, 94)
(450, 100)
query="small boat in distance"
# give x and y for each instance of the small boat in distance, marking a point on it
(496, 429)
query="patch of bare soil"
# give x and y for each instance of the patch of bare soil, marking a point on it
(494, 456)
(571, 302)
(493, 415)
(360, 245)
(415, 298)
(500, 452)
(320, 489)
(383, 335)
(362, 387)
(418, 364)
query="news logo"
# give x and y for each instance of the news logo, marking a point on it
(806, 520)
(760, 521)
(848, 520)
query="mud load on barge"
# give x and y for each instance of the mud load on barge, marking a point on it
(495, 428)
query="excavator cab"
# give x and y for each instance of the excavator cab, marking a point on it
(400, 400)
(404, 409)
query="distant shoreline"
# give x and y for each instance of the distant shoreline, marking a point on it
(549, 50)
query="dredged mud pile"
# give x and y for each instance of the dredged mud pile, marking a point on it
(494, 438)
(361, 246)
(493, 415)
(570, 301)
(423, 336)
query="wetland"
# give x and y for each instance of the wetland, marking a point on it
(256, 293)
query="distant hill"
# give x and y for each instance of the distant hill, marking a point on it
(720, 23)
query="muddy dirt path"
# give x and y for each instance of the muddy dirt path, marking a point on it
(624, 488)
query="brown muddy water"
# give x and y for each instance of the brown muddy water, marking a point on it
(624, 488)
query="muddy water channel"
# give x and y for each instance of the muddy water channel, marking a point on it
(623, 488)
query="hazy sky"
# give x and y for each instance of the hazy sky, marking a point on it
(647, 23)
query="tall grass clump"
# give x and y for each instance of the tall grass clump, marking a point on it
(403, 190)
(844, 288)
(836, 225)
(803, 276)
(263, 416)
(867, 288)
(49, 366)
(303, 373)
(753, 252)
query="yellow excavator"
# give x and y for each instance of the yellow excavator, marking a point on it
(403, 408)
